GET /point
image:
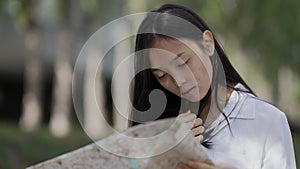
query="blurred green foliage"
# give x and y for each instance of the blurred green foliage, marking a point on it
(296, 140)
(20, 150)
(272, 28)
(23, 12)
(269, 31)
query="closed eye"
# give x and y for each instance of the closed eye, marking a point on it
(162, 76)
(184, 63)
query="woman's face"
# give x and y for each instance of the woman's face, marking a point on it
(183, 68)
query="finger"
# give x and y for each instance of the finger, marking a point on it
(188, 118)
(198, 122)
(183, 166)
(198, 130)
(184, 114)
(199, 138)
(190, 124)
(199, 165)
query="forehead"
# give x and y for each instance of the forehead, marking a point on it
(164, 50)
(169, 45)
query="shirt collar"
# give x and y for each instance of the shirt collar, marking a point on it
(235, 108)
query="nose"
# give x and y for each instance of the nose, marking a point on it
(179, 79)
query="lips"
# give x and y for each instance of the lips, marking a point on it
(188, 91)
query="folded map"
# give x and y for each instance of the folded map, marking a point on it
(160, 144)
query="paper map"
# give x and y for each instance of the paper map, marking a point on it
(160, 144)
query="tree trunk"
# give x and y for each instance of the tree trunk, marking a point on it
(119, 91)
(60, 116)
(31, 117)
(95, 123)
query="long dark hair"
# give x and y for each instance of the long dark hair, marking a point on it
(145, 82)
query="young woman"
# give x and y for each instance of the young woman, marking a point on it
(189, 66)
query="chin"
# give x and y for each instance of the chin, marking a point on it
(194, 99)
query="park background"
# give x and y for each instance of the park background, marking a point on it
(41, 39)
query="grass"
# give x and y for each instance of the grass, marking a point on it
(20, 150)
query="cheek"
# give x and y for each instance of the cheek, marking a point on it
(204, 69)
(170, 86)
(205, 76)
(201, 75)
(203, 80)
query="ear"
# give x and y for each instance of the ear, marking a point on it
(208, 42)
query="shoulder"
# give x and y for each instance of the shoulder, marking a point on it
(253, 107)
(262, 109)
(268, 122)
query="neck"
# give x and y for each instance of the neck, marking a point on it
(211, 111)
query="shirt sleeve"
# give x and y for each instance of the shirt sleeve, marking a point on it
(279, 151)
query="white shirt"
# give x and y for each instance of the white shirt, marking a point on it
(260, 137)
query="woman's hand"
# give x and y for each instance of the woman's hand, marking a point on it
(201, 165)
(195, 124)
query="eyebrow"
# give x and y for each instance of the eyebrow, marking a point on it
(177, 56)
